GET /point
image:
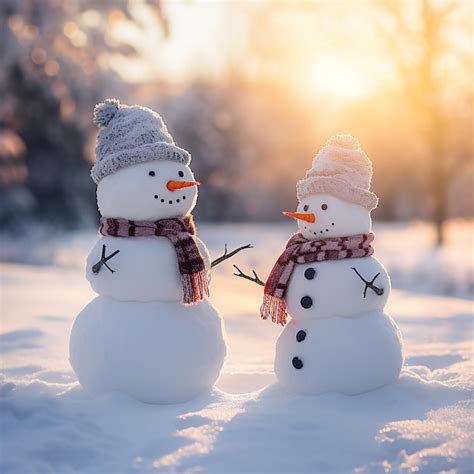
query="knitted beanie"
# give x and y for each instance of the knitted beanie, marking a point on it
(341, 169)
(129, 135)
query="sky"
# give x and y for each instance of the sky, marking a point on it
(323, 48)
(201, 36)
(206, 38)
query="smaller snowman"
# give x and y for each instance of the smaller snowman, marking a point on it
(339, 338)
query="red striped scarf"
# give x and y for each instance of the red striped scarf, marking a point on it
(299, 249)
(180, 232)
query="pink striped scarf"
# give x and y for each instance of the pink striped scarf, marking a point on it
(301, 250)
(180, 232)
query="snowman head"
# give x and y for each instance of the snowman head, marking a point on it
(321, 216)
(141, 174)
(334, 197)
(148, 191)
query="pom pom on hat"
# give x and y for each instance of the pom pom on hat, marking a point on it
(105, 112)
(344, 141)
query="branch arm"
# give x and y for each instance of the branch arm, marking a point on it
(254, 279)
(370, 284)
(228, 255)
(103, 261)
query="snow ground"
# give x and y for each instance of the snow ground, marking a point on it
(247, 424)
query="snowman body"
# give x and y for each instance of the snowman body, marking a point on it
(137, 337)
(339, 338)
(145, 269)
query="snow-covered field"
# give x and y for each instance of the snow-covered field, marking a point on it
(424, 423)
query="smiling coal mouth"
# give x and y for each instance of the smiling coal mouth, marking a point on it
(170, 201)
(321, 232)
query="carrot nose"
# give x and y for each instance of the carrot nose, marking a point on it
(175, 185)
(307, 217)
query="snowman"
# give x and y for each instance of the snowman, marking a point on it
(339, 338)
(150, 332)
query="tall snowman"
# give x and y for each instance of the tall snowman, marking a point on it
(327, 279)
(151, 332)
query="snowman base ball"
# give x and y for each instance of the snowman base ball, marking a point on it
(349, 355)
(156, 352)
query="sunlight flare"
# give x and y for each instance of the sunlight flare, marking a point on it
(337, 77)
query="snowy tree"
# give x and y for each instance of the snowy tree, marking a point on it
(54, 66)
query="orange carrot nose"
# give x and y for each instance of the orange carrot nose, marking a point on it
(307, 217)
(175, 185)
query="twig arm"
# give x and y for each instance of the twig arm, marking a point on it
(103, 261)
(228, 255)
(255, 277)
(370, 284)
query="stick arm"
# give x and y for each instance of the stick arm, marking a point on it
(228, 255)
(254, 279)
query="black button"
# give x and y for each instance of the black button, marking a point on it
(301, 335)
(297, 363)
(306, 302)
(309, 273)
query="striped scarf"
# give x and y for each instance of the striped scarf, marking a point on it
(180, 232)
(301, 250)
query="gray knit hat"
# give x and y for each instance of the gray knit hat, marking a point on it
(341, 169)
(129, 135)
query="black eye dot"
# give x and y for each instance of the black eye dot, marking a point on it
(309, 273)
(180, 174)
(162, 200)
(151, 173)
(177, 200)
(184, 197)
(305, 208)
(324, 207)
(171, 202)
(156, 197)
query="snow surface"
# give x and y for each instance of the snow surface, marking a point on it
(423, 423)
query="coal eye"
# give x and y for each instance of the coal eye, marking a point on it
(305, 208)
(180, 174)
(324, 207)
(151, 173)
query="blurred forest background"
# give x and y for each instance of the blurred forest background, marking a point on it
(251, 89)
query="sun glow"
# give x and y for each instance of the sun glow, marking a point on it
(338, 78)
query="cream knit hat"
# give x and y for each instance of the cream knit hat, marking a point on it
(342, 169)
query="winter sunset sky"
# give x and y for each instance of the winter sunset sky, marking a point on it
(322, 49)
